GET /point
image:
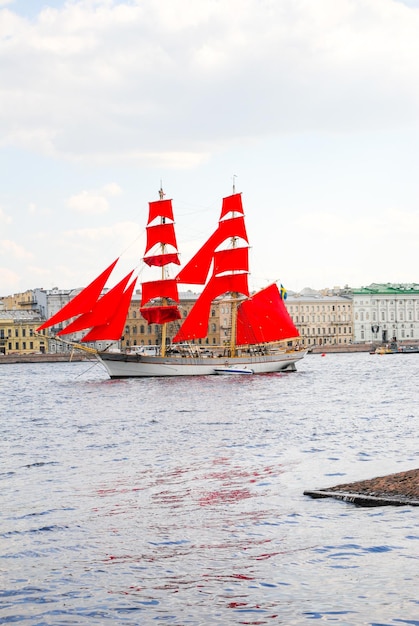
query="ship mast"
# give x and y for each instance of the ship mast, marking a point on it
(234, 298)
(164, 300)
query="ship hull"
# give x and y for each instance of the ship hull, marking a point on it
(119, 365)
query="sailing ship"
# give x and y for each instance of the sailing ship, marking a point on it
(261, 326)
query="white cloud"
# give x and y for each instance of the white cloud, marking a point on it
(180, 77)
(88, 202)
(4, 218)
(13, 250)
(8, 280)
(93, 202)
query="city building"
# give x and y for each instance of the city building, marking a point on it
(386, 312)
(378, 313)
(322, 318)
(17, 332)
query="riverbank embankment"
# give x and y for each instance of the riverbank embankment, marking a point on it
(45, 358)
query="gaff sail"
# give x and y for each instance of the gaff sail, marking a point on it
(264, 318)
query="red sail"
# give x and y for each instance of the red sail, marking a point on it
(232, 203)
(82, 302)
(195, 325)
(160, 234)
(159, 260)
(160, 208)
(197, 270)
(263, 318)
(160, 314)
(114, 327)
(101, 311)
(233, 259)
(159, 289)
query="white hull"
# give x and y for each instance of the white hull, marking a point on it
(119, 365)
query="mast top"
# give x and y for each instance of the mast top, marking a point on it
(234, 183)
(161, 192)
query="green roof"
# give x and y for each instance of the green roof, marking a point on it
(393, 289)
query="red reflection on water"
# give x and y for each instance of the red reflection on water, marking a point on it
(224, 495)
(228, 576)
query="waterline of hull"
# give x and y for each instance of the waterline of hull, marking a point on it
(134, 366)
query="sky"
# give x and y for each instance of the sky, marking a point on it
(310, 107)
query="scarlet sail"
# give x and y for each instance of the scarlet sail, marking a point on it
(113, 328)
(83, 301)
(101, 311)
(197, 270)
(196, 324)
(264, 318)
(165, 289)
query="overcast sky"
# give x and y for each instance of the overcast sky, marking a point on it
(311, 106)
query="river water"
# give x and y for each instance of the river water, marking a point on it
(180, 501)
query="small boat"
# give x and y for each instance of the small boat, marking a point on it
(232, 370)
(396, 348)
(260, 325)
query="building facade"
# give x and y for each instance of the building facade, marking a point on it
(322, 319)
(386, 312)
(18, 332)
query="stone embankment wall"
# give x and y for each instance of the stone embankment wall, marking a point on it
(347, 347)
(44, 358)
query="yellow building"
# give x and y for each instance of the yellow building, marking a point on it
(24, 300)
(17, 332)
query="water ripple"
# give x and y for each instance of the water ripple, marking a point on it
(181, 501)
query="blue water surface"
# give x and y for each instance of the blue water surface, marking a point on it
(180, 501)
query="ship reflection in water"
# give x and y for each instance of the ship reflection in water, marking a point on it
(180, 501)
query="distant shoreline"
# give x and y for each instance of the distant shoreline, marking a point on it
(79, 356)
(43, 358)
